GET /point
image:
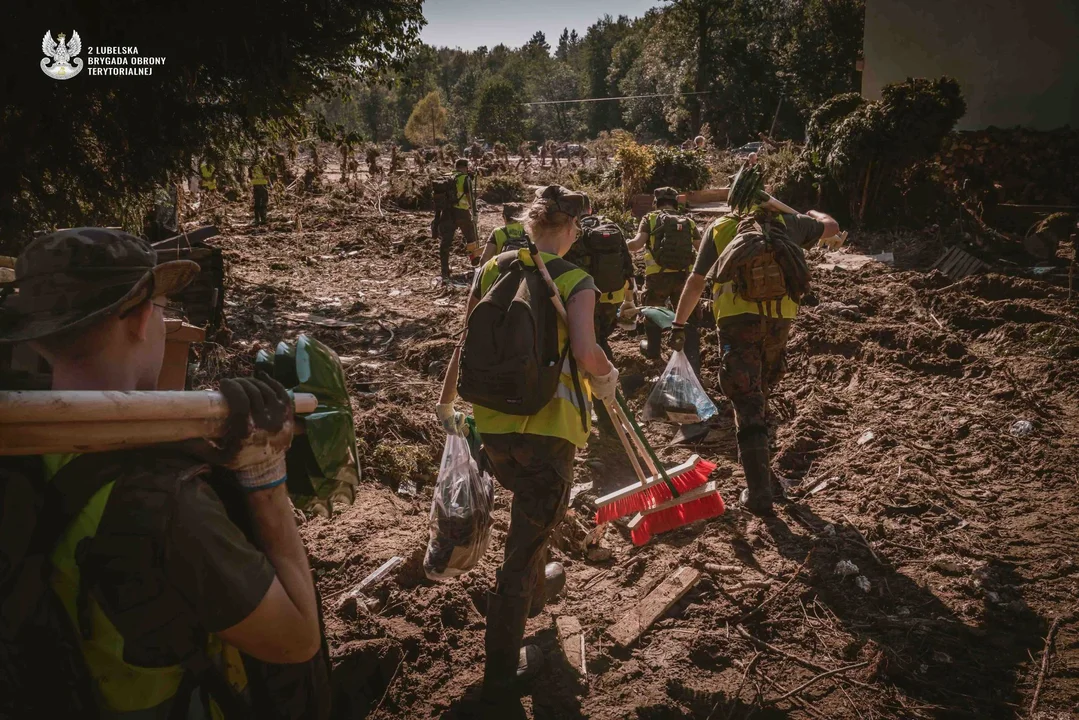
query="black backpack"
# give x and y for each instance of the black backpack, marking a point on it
(604, 245)
(444, 191)
(37, 639)
(510, 359)
(672, 246)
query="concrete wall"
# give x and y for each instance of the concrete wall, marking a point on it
(1017, 61)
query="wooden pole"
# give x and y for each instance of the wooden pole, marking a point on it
(91, 406)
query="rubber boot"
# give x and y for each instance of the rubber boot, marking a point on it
(753, 454)
(653, 341)
(507, 664)
(547, 588)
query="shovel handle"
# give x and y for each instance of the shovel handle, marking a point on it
(93, 406)
(785, 208)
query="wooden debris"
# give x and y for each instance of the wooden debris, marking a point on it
(572, 638)
(319, 320)
(635, 622)
(957, 264)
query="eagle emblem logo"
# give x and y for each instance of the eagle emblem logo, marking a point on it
(57, 62)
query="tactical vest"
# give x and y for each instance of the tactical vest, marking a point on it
(725, 303)
(561, 417)
(258, 177)
(124, 691)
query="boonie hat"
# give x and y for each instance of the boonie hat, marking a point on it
(73, 278)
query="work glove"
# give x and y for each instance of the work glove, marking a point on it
(678, 336)
(835, 242)
(453, 422)
(605, 387)
(258, 431)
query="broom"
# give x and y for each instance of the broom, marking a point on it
(702, 503)
(80, 421)
(664, 486)
(648, 492)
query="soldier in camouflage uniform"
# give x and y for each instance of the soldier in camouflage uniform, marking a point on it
(752, 345)
(165, 577)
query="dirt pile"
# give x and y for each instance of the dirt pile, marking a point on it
(899, 429)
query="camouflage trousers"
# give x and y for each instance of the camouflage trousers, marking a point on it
(262, 201)
(449, 223)
(663, 286)
(538, 470)
(752, 361)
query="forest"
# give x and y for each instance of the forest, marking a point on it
(739, 67)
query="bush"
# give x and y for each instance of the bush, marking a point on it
(634, 163)
(411, 191)
(682, 169)
(502, 189)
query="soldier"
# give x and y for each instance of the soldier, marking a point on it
(458, 215)
(543, 153)
(670, 241)
(752, 338)
(532, 455)
(260, 191)
(183, 579)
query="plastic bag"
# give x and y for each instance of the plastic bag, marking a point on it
(679, 396)
(460, 520)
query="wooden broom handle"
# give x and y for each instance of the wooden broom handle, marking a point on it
(91, 406)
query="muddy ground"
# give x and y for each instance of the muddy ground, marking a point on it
(893, 427)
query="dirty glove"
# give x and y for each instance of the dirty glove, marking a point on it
(453, 422)
(678, 336)
(605, 387)
(258, 432)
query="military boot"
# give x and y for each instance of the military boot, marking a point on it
(753, 454)
(507, 663)
(548, 586)
(653, 341)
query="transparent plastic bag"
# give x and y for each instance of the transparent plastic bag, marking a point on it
(679, 396)
(460, 519)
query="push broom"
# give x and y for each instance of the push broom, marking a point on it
(79, 421)
(664, 488)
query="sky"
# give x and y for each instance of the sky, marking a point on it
(468, 24)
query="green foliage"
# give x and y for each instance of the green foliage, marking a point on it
(499, 113)
(502, 189)
(635, 164)
(685, 170)
(77, 152)
(427, 123)
(879, 142)
(820, 131)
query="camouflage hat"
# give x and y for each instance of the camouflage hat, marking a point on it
(574, 204)
(512, 210)
(70, 279)
(665, 194)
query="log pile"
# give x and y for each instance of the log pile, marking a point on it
(1020, 166)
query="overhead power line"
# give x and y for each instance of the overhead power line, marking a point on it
(624, 97)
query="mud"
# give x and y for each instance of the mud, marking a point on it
(971, 531)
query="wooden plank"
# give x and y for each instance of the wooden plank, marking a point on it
(572, 638)
(940, 261)
(953, 264)
(635, 622)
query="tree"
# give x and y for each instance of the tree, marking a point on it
(499, 114)
(427, 123)
(86, 150)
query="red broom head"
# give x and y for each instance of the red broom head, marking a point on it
(709, 506)
(694, 477)
(646, 499)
